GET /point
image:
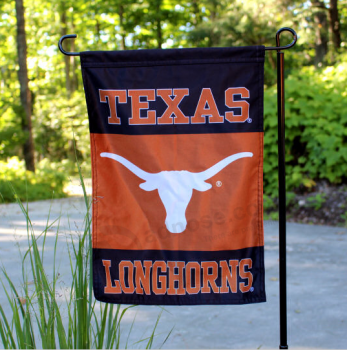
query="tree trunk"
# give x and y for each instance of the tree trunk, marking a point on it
(121, 25)
(213, 10)
(335, 24)
(97, 31)
(159, 34)
(73, 64)
(322, 37)
(158, 23)
(67, 45)
(196, 11)
(25, 95)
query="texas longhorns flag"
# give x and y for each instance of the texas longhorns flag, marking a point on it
(177, 167)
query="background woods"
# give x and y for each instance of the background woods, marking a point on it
(43, 120)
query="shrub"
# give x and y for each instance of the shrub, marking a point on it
(316, 129)
(47, 182)
(56, 119)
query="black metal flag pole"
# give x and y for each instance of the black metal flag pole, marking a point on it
(281, 173)
(282, 183)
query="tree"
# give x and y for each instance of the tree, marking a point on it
(25, 94)
(335, 26)
(64, 31)
(325, 19)
(57, 108)
(322, 34)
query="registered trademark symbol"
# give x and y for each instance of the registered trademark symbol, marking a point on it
(249, 120)
(251, 289)
(219, 183)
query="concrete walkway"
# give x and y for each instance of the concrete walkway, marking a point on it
(317, 286)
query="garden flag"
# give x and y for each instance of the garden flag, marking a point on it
(177, 167)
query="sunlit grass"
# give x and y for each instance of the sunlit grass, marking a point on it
(16, 182)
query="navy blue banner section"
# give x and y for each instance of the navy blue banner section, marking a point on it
(178, 91)
(165, 277)
(133, 58)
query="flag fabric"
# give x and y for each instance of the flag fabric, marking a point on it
(177, 168)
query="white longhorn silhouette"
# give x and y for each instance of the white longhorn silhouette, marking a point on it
(175, 188)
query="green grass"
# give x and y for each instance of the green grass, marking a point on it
(16, 182)
(39, 320)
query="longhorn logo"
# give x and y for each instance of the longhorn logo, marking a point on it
(175, 188)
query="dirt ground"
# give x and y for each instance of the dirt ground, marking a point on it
(322, 205)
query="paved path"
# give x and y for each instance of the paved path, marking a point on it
(317, 286)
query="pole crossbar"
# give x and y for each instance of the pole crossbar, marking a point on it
(281, 172)
(267, 48)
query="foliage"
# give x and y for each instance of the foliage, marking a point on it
(268, 203)
(315, 142)
(57, 138)
(316, 201)
(316, 129)
(344, 217)
(11, 134)
(38, 318)
(47, 182)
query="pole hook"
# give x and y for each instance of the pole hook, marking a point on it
(279, 47)
(60, 45)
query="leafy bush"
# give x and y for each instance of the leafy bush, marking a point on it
(11, 134)
(47, 182)
(61, 127)
(316, 129)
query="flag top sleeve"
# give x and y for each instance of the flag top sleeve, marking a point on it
(177, 167)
